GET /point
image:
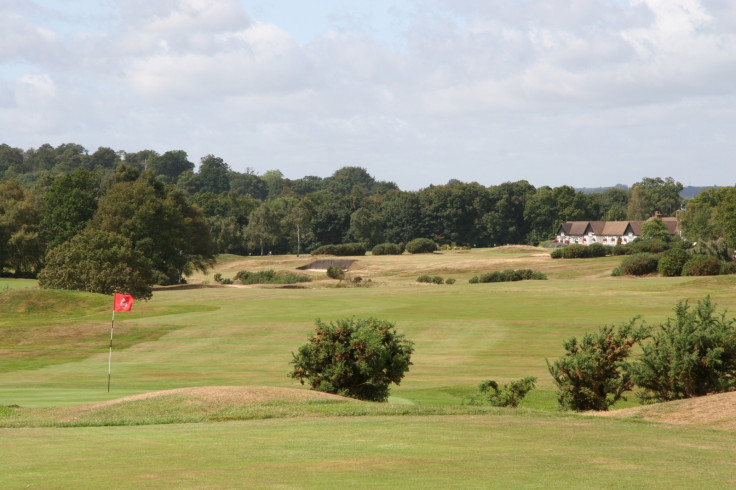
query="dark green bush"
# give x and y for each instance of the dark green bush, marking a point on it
(387, 249)
(350, 249)
(509, 395)
(575, 251)
(270, 277)
(438, 280)
(335, 272)
(693, 354)
(641, 245)
(487, 277)
(620, 249)
(218, 277)
(598, 250)
(639, 264)
(729, 267)
(508, 275)
(671, 262)
(358, 358)
(556, 253)
(342, 250)
(424, 278)
(449, 280)
(325, 250)
(702, 265)
(595, 372)
(226, 280)
(421, 246)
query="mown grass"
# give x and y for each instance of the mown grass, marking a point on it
(506, 450)
(463, 334)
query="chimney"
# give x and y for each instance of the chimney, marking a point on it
(657, 214)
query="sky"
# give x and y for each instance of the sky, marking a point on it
(418, 92)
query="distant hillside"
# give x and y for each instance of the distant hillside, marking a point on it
(687, 192)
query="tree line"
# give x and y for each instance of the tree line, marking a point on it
(178, 216)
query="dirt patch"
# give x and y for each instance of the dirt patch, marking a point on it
(714, 411)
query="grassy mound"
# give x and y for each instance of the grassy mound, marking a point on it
(214, 404)
(713, 411)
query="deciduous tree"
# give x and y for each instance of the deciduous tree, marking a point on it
(98, 262)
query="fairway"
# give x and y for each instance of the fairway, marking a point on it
(55, 359)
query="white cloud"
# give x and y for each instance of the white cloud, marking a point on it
(471, 89)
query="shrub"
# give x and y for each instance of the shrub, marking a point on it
(671, 262)
(620, 249)
(693, 354)
(639, 264)
(702, 265)
(350, 249)
(270, 277)
(421, 246)
(335, 272)
(509, 395)
(325, 250)
(617, 272)
(424, 278)
(556, 253)
(387, 249)
(226, 280)
(729, 267)
(358, 358)
(594, 373)
(438, 280)
(218, 277)
(508, 275)
(343, 249)
(641, 245)
(598, 250)
(490, 277)
(575, 251)
(449, 280)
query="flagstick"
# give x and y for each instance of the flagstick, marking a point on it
(109, 359)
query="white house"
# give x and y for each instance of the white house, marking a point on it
(607, 232)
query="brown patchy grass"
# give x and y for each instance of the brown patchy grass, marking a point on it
(713, 411)
(225, 396)
(180, 405)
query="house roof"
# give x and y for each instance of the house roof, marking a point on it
(615, 228)
(612, 228)
(573, 227)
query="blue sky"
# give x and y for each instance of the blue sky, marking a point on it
(416, 91)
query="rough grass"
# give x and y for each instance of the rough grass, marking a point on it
(716, 411)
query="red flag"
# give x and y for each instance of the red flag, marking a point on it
(123, 302)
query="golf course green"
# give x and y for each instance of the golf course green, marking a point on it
(200, 395)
